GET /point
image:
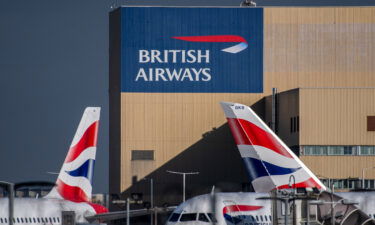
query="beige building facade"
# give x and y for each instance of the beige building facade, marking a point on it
(321, 60)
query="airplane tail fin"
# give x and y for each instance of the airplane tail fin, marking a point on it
(269, 162)
(74, 182)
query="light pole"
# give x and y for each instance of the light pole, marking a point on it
(151, 191)
(151, 195)
(363, 175)
(184, 179)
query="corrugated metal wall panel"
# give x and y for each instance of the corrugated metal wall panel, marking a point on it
(336, 116)
(319, 47)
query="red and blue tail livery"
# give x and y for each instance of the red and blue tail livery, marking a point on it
(269, 162)
(74, 182)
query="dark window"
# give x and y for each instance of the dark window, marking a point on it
(142, 154)
(261, 218)
(34, 219)
(370, 123)
(1, 220)
(188, 217)
(270, 218)
(58, 219)
(256, 217)
(291, 124)
(18, 220)
(202, 217)
(38, 220)
(5, 220)
(54, 219)
(174, 217)
(50, 220)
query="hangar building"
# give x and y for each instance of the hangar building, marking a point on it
(170, 68)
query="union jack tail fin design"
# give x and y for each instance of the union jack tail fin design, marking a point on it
(74, 182)
(269, 162)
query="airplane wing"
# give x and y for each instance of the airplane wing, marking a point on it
(104, 217)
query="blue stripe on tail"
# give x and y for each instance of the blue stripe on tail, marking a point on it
(257, 168)
(85, 170)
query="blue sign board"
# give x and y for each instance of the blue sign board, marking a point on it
(203, 50)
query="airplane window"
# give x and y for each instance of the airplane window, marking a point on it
(174, 217)
(265, 217)
(212, 218)
(5, 220)
(58, 219)
(270, 218)
(54, 219)
(374, 215)
(261, 218)
(38, 220)
(46, 220)
(26, 220)
(188, 217)
(50, 220)
(256, 217)
(202, 217)
(42, 219)
(1, 220)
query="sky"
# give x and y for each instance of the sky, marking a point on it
(53, 64)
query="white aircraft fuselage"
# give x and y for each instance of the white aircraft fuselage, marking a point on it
(230, 207)
(44, 211)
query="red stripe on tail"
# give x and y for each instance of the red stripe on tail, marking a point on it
(88, 139)
(74, 194)
(304, 184)
(246, 133)
(98, 208)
